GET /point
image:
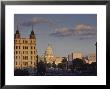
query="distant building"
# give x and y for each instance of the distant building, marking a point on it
(70, 58)
(92, 58)
(85, 59)
(50, 57)
(77, 55)
(25, 51)
(58, 60)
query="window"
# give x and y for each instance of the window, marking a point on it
(19, 47)
(16, 47)
(25, 47)
(16, 52)
(31, 47)
(31, 52)
(25, 57)
(26, 41)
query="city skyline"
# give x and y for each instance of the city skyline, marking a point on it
(65, 32)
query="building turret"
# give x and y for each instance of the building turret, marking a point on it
(32, 35)
(17, 34)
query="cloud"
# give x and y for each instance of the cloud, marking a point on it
(84, 29)
(62, 32)
(81, 30)
(38, 20)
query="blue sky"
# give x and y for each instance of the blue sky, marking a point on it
(65, 32)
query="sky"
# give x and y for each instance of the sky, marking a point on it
(66, 33)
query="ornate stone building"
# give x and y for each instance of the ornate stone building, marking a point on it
(25, 51)
(50, 57)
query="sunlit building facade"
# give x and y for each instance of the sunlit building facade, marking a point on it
(25, 51)
(50, 57)
(91, 58)
(58, 60)
(77, 55)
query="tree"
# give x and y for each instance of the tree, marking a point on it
(53, 64)
(41, 68)
(49, 65)
(64, 62)
(60, 66)
(21, 72)
(93, 68)
(78, 64)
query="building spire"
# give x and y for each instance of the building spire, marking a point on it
(17, 34)
(17, 31)
(32, 35)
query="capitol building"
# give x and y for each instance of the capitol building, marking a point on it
(50, 57)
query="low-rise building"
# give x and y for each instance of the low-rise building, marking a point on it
(92, 58)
